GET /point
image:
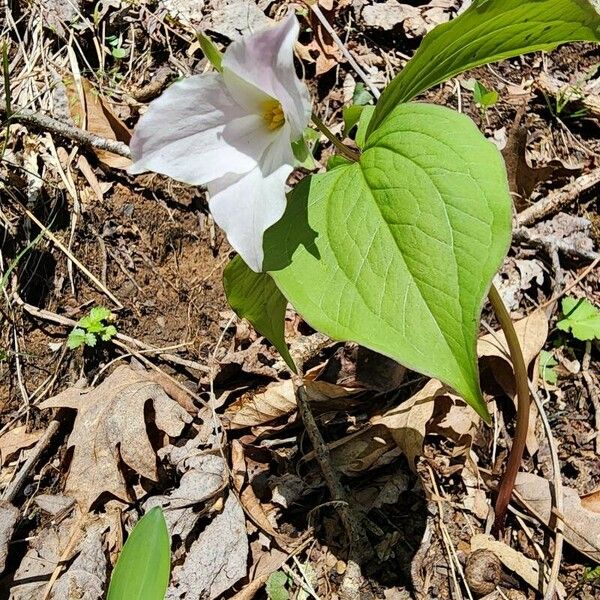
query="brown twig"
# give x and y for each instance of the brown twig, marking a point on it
(119, 337)
(14, 487)
(359, 545)
(523, 402)
(66, 131)
(558, 199)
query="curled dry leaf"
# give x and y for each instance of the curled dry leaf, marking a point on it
(16, 439)
(277, 400)
(408, 422)
(216, 560)
(581, 525)
(433, 409)
(532, 332)
(91, 112)
(322, 49)
(110, 429)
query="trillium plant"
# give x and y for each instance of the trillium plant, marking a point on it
(396, 244)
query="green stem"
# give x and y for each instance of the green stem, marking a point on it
(347, 152)
(515, 457)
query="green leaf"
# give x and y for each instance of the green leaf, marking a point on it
(108, 333)
(276, 586)
(581, 318)
(212, 53)
(397, 252)
(142, 570)
(547, 364)
(487, 32)
(351, 115)
(76, 338)
(363, 126)
(119, 52)
(90, 339)
(100, 313)
(254, 296)
(484, 97)
(361, 95)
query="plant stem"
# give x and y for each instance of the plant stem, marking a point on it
(523, 402)
(347, 152)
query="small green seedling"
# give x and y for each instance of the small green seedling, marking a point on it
(278, 586)
(484, 98)
(581, 318)
(116, 49)
(91, 327)
(547, 364)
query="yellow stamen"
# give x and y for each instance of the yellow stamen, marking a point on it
(272, 113)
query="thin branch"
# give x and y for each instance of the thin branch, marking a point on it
(557, 200)
(66, 131)
(314, 6)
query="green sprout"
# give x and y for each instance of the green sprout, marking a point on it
(484, 98)
(92, 326)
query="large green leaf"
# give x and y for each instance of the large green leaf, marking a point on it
(254, 296)
(490, 30)
(143, 567)
(397, 252)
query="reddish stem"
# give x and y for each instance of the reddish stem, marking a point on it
(515, 457)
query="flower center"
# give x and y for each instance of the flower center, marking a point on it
(272, 114)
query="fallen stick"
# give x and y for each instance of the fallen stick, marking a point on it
(359, 545)
(69, 132)
(555, 201)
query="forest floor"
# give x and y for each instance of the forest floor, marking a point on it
(217, 441)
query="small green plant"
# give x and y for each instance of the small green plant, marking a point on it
(144, 565)
(116, 49)
(484, 98)
(581, 318)
(278, 586)
(91, 327)
(547, 364)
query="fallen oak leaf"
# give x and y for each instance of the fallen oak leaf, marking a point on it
(110, 429)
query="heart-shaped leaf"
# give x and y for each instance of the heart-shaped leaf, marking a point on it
(490, 30)
(397, 252)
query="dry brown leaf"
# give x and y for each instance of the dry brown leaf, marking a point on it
(532, 332)
(321, 50)
(581, 525)
(15, 440)
(361, 451)
(407, 423)
(216, 560)
(277, 400)
(110, 429)
(100, 120)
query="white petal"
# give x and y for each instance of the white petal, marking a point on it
(196, 132)
(246, 206)
(266, 61)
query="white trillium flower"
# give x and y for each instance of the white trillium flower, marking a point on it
(232, 131)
